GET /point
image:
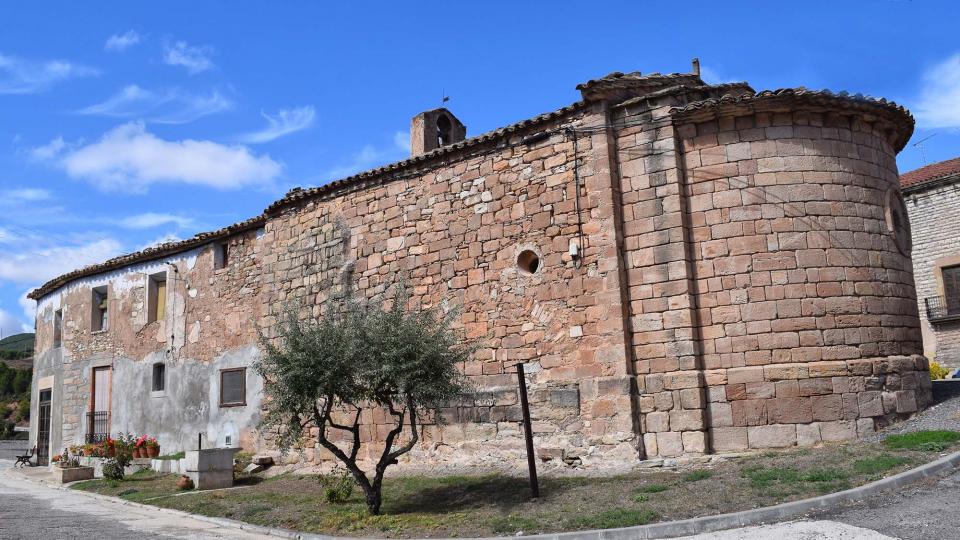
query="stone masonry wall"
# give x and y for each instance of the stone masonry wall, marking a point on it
(805, 304)
(454, 234)
(936, 243)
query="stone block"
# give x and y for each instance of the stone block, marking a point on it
(694, 442)
(906, 401)
(683, 420)
(772, 436)
(840, 430)
(826, 408)
(808, 434)
(749, 412)
(812, 387)
(650, 445)
(729, 439)
(658, 422)
(745, 375)
(720, 415)
(796, 410)
(670, 444)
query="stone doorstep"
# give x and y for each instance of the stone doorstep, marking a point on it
(669, 529)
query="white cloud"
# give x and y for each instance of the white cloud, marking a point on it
(150, 220)
(285, 122)
(37, 264)
(10, 325)
(120, 42)
(128, 158)
(24, 195)
(194, 58)
(50, 150)
(372, 156)
(169, 237)
(939, 103)
(712, 76)
(168, 106)
(401, 140)
(21, 76)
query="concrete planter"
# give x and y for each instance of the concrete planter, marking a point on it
(210, 469)
(72, 474)
(96, 464)
(170, 466)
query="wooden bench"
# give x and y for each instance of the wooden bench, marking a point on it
(24, 459)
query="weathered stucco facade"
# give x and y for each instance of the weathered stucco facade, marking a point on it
(712, 269)
(933, 204)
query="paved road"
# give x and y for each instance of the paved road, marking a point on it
(34, 512)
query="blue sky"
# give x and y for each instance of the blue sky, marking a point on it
(129, 124)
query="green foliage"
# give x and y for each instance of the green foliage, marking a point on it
(930, 441)
(761, 477)
(337, 486)
(322, 373)
(825, 475)
(172, 457)
(938, 372)
(14, 382)
(696, 476)
(113, 469)
(878, 464)
(17, 343)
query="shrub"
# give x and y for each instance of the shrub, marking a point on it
(938, 372)
(337, 486)
(112, 469)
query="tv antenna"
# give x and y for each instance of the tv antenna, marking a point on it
(919, 146)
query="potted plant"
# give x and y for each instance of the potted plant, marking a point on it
(152, 447)
(140, 450)
(68, 468)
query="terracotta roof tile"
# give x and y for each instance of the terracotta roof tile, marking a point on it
(931, 173)
(893, 112)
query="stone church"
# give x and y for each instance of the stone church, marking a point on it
(683, 269)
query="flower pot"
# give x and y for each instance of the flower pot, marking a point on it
(184, 483)
(153, 451)
(139, 452)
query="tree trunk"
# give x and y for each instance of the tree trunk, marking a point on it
(374, 499)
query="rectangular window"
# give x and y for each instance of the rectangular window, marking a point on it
(58, 328)
(157, 297)
(951, 288)
(233, 387)
(159, 377)
(100, 317)
(221, 255)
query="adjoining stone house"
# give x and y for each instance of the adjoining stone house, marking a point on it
(933, 204)
(684, 269)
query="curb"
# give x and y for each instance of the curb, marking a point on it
(668, 529)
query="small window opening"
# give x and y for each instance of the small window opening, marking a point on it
(157, 297)
(528, 262)
(58, 328)
(221, 255)
(159, 377)
(233, 387)
(100, 319)
(443, 130)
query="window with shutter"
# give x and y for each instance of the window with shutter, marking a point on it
(157, 297)
(159, 377)
(951, 288)
(233, 387)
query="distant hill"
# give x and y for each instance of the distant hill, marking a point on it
(18, 343)
(17, 351)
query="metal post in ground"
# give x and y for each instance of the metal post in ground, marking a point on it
(528, 432)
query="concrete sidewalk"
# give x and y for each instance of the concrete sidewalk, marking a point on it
(31, 510)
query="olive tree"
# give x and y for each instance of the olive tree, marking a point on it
(321, 373)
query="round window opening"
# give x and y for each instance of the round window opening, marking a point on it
(528, 261)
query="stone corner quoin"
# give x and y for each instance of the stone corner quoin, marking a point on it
(714, 269)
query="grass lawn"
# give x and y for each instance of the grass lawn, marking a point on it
(467, 506)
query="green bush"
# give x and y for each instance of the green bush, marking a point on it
(112, 469)
(337, 486)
